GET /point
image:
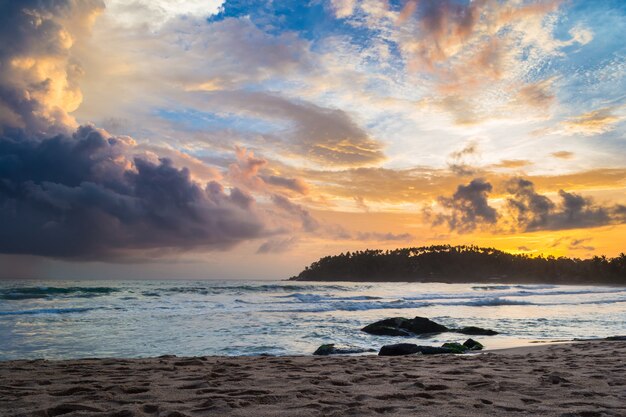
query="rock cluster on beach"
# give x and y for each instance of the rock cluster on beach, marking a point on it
(332, 349)
(400, 326)
(401, 349)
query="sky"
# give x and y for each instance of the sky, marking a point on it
(246, 139)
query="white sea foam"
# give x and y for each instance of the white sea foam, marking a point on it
(147, 318)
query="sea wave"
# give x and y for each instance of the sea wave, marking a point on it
(314, 298)
(521, 293)
(606, 301)
(347, 306)
(395, 304)
(491, 302)
(46, 311)
(490, 287)
(25, 293)
(269, 288)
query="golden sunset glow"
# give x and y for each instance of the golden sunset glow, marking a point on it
(202, 132)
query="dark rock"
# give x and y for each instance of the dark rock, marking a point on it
(388, 327)
(455, 347)
(410, 349)
(471, 344)
(399, 349)
(475, 331)
(615, 338)
(421, 325)
(332, 349)
(400, 326)
(325, 350)
(434, 350)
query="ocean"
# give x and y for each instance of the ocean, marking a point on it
(77, 319)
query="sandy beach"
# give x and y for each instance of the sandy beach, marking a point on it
(583, 379)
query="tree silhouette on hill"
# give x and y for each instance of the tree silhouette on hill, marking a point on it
(462, 264)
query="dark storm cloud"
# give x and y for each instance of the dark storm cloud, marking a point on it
(533, 211)
(84, 197)
(530, 209)
(468, 207)
(526, 210)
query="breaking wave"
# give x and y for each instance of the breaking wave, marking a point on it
(45, 311)
(25, 293)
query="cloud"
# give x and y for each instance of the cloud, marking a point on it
(512, 163)
(247, 172)
(526, 209)
(563, 154)
(336, 231)
(581, 244)
(591, 123)
(79, 192)
(85, 197)
(385, 237)
(458, 160)
(309, 223)
(343, 8)
(155, 67)
(484, 57)
(471, 148)
(38, 77)
(577, 211)
(323, 135)
(533, 211)
(536, 95)
(360, 203)
(581, 35)
(294, 184)
(468, 207)
(277, 245)
(385, 187)
(156, 12)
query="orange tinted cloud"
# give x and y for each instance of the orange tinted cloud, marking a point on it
(592, 123)
(419, 185)
(481, 54)
(38, 77)
(512, 163)
(563, 154)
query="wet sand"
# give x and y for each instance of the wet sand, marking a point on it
(585, 379)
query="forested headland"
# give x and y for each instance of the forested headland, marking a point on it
(464, 264)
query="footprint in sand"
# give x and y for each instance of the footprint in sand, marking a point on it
(71, 391)
(436, 387)
(150, 408)
(68, 408)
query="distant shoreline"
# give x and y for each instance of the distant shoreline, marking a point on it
(452, 282)
(464, 265)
